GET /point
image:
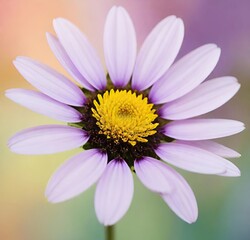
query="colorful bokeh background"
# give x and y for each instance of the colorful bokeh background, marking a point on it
(224, 205)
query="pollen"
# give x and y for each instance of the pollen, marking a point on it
(124, 116)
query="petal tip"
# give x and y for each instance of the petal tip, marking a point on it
(47, 194)
(180, 22)
(59, 20)
(49, 35)
(241, 127)
(7, 93)
(114, 8)
(236, 155)
(50, 199)
(192, 220)
(15, 62)
(50, 195)
(233, 173)
(218, 50)
(9, 145)
(20, 58)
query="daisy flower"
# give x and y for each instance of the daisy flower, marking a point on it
(135, 118)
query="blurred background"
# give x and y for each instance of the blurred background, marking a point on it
(224, 206)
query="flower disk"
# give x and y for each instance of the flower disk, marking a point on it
(124, 116)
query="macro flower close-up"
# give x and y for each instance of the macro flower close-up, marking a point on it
(140, 117)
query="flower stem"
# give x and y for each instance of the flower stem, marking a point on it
(110, 232)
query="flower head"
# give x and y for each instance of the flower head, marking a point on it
(137, 117)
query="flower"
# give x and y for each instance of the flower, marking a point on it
(137, 117)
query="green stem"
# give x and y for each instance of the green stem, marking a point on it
(110, 232)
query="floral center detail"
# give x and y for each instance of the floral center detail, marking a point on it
(124, 116)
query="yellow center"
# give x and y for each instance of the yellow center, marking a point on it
(121, 115)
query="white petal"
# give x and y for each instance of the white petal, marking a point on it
(153, 175)
(175, 191)
(40, 103)
(47, 139)
(81, 52)
(195, 159)
(182, 200)
(114, 192)
(119, 46)
(158, 52)
(186, 74)
(202, 129)
(213, 147)
(76, 175)
(203, 99)
(50, 82)
(66, 62)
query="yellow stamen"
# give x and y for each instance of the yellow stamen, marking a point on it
(122, 115)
